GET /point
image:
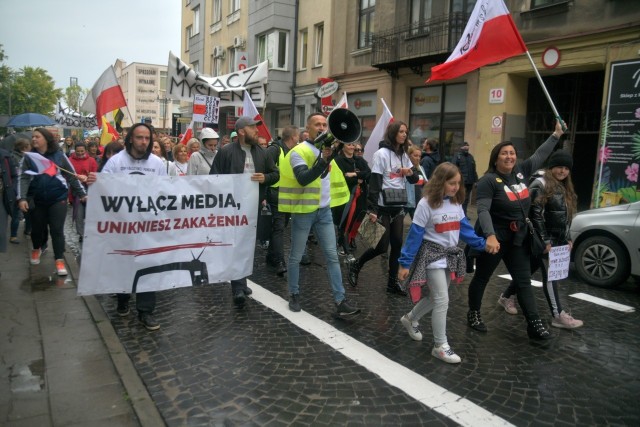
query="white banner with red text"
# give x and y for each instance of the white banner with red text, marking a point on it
(149, 233)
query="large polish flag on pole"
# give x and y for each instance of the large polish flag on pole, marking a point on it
(490, 36)
(105, 95)
(249, 109)
(377, 134)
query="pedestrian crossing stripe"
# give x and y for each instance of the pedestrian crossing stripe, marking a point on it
(460, 410)
(603, 302)
(534, 283)
(586, 297)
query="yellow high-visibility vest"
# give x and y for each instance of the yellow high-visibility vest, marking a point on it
(295, 198)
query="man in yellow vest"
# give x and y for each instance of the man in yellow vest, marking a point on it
(310, 185)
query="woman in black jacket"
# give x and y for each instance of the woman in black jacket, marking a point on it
(503, 200)
(49, 190)
(356, 173)
(554, 205)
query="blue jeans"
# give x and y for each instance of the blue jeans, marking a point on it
(322, 223)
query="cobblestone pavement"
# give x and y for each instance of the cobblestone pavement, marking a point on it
(214, 364)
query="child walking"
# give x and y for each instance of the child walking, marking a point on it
(432, 254)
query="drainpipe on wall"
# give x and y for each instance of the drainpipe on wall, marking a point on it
(295, 63)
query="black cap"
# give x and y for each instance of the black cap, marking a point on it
(560, 158)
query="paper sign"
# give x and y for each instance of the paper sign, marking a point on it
(559, 258)
(206, 109)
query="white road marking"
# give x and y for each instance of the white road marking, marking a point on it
(458, 409)
(535, 283)
(603, 302)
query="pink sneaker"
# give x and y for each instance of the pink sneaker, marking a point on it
(509, 304)
(564, 320)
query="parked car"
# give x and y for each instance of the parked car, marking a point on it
(606, 244)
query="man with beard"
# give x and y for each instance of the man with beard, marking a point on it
(246, 157)
(136, 159)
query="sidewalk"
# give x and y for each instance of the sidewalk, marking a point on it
(60, 360)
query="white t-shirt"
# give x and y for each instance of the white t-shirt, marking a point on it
(249, 166)
(325, 194)
(388, 164)
(122, 162)
(441, 226)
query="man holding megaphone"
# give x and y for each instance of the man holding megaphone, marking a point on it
(311, 183)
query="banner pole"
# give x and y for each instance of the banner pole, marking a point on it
(546, 93)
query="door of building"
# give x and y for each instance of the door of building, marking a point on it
(578, 99)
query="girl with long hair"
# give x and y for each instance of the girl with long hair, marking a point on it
(390, 168)
(554, 205)
(432, 253)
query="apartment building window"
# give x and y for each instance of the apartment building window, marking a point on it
(465, 6)
(273, 47)
(367, 15)
(542, 3)
(304, 44)
(196, 20)
(216, 66)
(232, 60)
(196, 66)
(319, 45)
(187, 37)
(234, 5)
(163, 80)
(217, 11)
(420, 16)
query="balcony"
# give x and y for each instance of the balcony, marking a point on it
(412, 45)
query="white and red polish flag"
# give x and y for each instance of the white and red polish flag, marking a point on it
(41, 163)
(343, 102)
(490, 36)
(188, 134)
(249, 109)
(105, 95)
(377, 134)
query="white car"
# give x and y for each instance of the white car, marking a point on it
(606, 244)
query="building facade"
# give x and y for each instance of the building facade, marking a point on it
(144, 88)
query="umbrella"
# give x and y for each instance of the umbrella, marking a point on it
(30, 120)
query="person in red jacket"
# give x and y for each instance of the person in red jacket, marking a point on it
(83, 165)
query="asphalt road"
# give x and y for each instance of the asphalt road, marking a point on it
(214, 364)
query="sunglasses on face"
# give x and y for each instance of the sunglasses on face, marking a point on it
(358, 150)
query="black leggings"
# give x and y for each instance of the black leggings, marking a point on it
(550, 289)
(516, 259)
(393, 222)
(52, 216)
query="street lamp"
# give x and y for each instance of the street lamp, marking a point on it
(163, 101)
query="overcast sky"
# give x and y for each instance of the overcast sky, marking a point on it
(81, 38)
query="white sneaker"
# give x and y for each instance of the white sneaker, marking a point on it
(412, 328)
(509, 304)
(446, 354)
(564, 320)
(60, 269)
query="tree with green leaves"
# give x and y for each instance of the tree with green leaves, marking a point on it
(74, 95)
(28, 90)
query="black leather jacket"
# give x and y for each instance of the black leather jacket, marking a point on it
(551, 219)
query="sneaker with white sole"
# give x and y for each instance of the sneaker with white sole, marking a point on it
(509, 304)
(412, 328)
(445, 353)
(60, 268)
(564, 320)
(35, 257)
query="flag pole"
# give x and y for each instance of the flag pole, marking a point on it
(546, 92)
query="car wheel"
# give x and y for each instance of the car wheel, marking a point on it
(601, 261)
